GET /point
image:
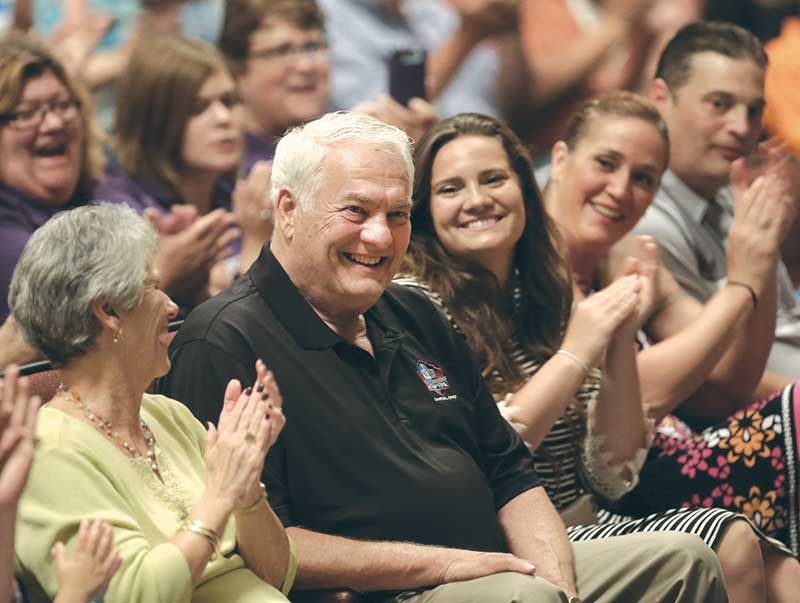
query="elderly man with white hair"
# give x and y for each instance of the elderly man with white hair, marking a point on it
(395, 474)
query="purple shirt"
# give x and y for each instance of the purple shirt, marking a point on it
(20, 216)
(257, 148)
(119, 187)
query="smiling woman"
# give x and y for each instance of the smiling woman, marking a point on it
(602, 181)
(600, 188)
(50, 157)
(185, 505)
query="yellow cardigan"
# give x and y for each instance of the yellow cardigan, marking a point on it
(79, 474)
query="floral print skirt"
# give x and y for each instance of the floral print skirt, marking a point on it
(748, 464)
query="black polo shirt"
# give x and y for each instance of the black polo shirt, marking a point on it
(407, 445)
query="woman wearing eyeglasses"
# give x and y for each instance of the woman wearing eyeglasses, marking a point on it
(182, 504)
(278, 53)
(50, 157)
(51, 160)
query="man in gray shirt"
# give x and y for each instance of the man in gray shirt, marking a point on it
(709, 87)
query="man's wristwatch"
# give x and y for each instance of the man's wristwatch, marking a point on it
(574, 600)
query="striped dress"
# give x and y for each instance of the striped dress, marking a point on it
(565, 479)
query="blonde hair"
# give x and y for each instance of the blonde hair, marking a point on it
(614, 104)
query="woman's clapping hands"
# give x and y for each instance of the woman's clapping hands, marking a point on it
(617, 310)
(645, 263)
(250, 423)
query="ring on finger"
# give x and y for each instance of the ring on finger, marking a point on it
(249, 437)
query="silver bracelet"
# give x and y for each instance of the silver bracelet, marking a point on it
(577, 360)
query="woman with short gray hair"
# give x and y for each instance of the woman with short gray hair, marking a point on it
(189, 517)
(93, 267)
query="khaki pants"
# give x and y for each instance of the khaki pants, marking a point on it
(663, 567)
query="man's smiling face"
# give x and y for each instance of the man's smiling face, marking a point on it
(349, 242)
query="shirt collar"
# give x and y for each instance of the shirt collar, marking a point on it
(689, 201)
(295, 313)
(290, 308)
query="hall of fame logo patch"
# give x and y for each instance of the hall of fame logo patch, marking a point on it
(435, 380)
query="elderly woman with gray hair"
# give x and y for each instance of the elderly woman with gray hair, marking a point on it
(189, 517)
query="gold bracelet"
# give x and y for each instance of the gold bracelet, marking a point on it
(255, 505)
(196, 526)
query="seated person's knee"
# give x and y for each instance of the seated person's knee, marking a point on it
(511, 587)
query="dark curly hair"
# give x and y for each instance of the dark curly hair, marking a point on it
(483, 311)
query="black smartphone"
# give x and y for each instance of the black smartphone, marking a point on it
(407, 74)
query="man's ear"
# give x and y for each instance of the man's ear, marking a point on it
(286, 212)
(558, 160)
(660, 93)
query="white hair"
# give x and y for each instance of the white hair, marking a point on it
(299, 154)
(91, 253)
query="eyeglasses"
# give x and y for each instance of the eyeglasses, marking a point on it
(228, 99)
(287, 51)
(32, 117)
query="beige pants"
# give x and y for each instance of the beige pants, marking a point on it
(663, 567)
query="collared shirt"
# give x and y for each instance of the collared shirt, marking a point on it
(362, 34)
(20, 216)
(691, 232)
(407, 445)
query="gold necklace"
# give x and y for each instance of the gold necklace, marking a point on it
(105, 426)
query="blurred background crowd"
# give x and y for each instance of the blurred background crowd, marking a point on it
(174, 109)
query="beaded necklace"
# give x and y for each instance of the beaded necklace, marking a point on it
(105, 426)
